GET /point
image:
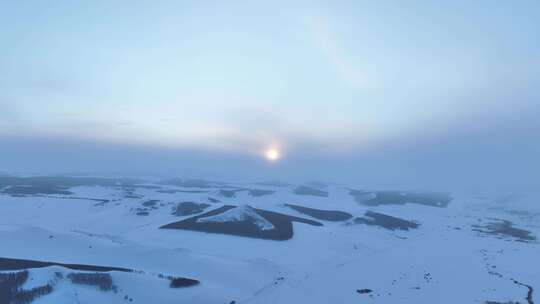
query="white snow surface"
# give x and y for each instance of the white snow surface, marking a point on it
(238, 214)
(444, 260)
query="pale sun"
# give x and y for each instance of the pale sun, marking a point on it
(272, 154)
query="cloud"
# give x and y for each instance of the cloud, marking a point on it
(329, 43)
(9, 116)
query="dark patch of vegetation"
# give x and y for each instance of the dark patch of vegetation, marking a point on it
(168, 191)
(504, 228)
(151, 204)
(178, 282)
(252, 192)
(102, 280)
(385, 221)
(35, 189)
(305, 190)
(433, 199)
(283, 229)
(27, 296)
(65, 182)
(8, 264)
(229, 193)
(189, 208)
(11, 291)
(259, 192)
(137, 196)
(10, 284)
(141, 211)
(325, 215)
(364, 291)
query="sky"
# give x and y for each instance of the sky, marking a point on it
(406, 93)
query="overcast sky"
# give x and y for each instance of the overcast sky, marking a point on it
(405, 93)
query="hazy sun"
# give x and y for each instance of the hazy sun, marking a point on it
(272, 154)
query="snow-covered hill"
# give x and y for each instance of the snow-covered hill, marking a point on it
(97, 240)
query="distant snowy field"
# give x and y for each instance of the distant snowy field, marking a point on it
(193, 241)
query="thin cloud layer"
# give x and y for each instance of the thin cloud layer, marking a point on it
(380, 92)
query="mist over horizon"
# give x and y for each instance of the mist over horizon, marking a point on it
(468, 160)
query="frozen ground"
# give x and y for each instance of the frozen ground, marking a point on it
(263, 243)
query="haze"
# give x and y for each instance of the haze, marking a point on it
(413, 94)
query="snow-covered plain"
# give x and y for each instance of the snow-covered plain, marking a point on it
(455, 251)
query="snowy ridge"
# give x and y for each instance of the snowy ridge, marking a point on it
(239, 214)
(478, 248)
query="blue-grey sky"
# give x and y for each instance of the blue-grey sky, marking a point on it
(388, 90)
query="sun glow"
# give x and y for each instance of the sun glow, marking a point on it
(272, 154)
